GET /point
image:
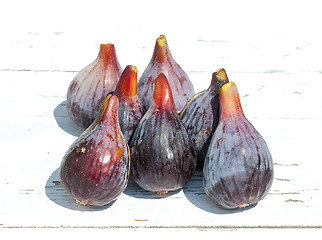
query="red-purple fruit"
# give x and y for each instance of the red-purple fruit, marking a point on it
(91, 85)
(162, 155)
(131, 109)
(238, 169)
(201, 115)
(163, 62)
(95, 169)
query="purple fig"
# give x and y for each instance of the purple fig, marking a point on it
(91, 85)
(201, 115)
(163, 158)
(238, 168)
(95, 169)
(131, 109)
(163, 62)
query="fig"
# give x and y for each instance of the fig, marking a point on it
(163, 62)
(238, 168)
(95, 169)
(162, 155)
(91, 85)
(201, 115)
(131, 109)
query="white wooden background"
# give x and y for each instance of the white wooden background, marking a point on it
(270, 49)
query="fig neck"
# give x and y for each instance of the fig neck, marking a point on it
(107, 54)
(230, 106)
(127, 85)
(219, 78)
(108, 114)
(161, 50)
(162, 96)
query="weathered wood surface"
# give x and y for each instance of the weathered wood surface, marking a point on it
(269, 52)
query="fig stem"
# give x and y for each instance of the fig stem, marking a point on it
(221, 75)
(219, 78)
(161, 41)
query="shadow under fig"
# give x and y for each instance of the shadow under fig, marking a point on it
(134, 190)
(195, 193)
(57, 193)
(65, 122)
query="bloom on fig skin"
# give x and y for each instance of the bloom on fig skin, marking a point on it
(162, 155)
(238, 169)
(91, 85)
(163, 62)
(96, 167)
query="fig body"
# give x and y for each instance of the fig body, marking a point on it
(95, 169)
(238, 169)
(162, 155)
(131, 109)
(163, 62)
(201, 115)
(91, 85)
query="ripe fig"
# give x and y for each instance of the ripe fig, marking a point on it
(95, 169)
(163, 62)
(162, 155)
(238, 169)
(91, 85)
(131, 109)
(201, 115)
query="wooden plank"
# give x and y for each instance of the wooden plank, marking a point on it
(36, 131)
(148, 233)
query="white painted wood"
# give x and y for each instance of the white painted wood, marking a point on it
(148, 233)
(275, 63)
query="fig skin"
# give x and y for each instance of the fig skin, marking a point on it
(238, 169)
(95, 169)
(131, 109)
(163, 62)
(91, 85)
(201, 115)
(162, 155)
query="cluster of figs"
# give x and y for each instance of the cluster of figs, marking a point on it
(159, 131)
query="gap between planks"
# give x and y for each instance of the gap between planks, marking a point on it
(174, 227)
